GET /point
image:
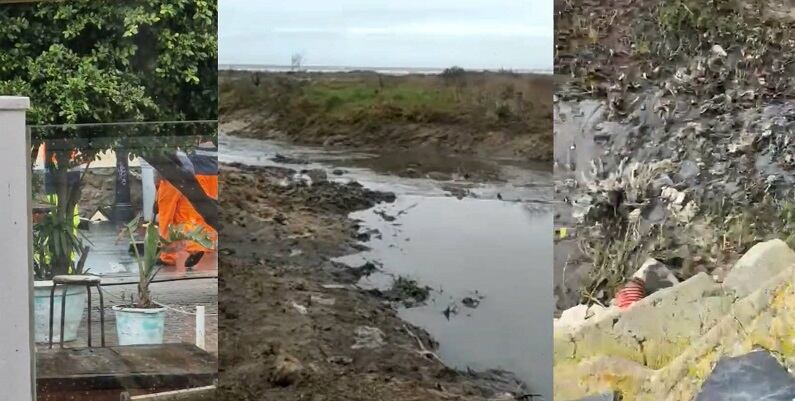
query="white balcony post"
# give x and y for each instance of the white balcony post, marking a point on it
(148, 186)
(16, 285)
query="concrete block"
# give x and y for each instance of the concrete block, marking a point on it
(761, 263)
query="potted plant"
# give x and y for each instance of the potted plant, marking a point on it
(142, 321)
(58, 250)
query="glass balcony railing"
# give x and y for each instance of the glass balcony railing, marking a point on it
(124, 257)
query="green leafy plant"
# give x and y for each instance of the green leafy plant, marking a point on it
(153, 243)
(56, 242)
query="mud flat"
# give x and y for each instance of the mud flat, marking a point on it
(294, 324)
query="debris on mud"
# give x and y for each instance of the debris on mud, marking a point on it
(470, 302)
(364, 270)
(385, 216)
(368, 337)
(408, 292)
(473, 300)
(675, 135)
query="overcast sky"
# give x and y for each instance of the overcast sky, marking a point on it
(492, 34)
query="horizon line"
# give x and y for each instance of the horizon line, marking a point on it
(225, 66)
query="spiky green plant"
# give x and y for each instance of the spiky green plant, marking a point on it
(56, 245)
(153, 243)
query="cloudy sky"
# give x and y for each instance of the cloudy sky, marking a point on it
(491, 34)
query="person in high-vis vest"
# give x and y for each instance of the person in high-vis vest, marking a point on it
(174, 208)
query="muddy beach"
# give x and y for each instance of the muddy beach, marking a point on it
(319, 236)
(317, 334)
(379, 204)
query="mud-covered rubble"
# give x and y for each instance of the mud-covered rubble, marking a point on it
(726, 181)
(665, 346)
(723, 45)
(673, 136)
(686, 109)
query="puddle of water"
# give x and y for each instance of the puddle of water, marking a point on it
(499, 251)
(469, 247)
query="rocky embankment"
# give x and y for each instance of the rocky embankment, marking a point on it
(674, 154)
(681, 342)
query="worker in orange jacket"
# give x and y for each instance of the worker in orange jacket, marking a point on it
(174, 208)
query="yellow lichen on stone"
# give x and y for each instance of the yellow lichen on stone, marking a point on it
(762, 319)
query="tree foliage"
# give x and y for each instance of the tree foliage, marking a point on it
(108, 61)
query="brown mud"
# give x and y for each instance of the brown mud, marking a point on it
(294, 326)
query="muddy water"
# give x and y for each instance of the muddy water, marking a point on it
(496, 252)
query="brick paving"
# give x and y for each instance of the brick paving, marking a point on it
(180, 327)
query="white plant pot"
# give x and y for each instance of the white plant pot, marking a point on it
(139, 326)
(75, 306)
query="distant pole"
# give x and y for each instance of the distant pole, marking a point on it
(122, 206)
(16, 288)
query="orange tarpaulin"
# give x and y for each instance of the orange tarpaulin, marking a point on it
(175, 209)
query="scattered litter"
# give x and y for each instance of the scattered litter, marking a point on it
(300, 308)
(600, 397)
(470, 302)
(718, 51)
(322, 300)
(450, 310)
(337, 286)
(632, 292)
(655, 276)
(116, 267)
(98, 217)
(367, 337)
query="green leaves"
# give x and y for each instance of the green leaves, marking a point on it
(90, 61)
(147, 263)
(55, 243)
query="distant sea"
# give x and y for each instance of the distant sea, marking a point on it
(380, 70)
